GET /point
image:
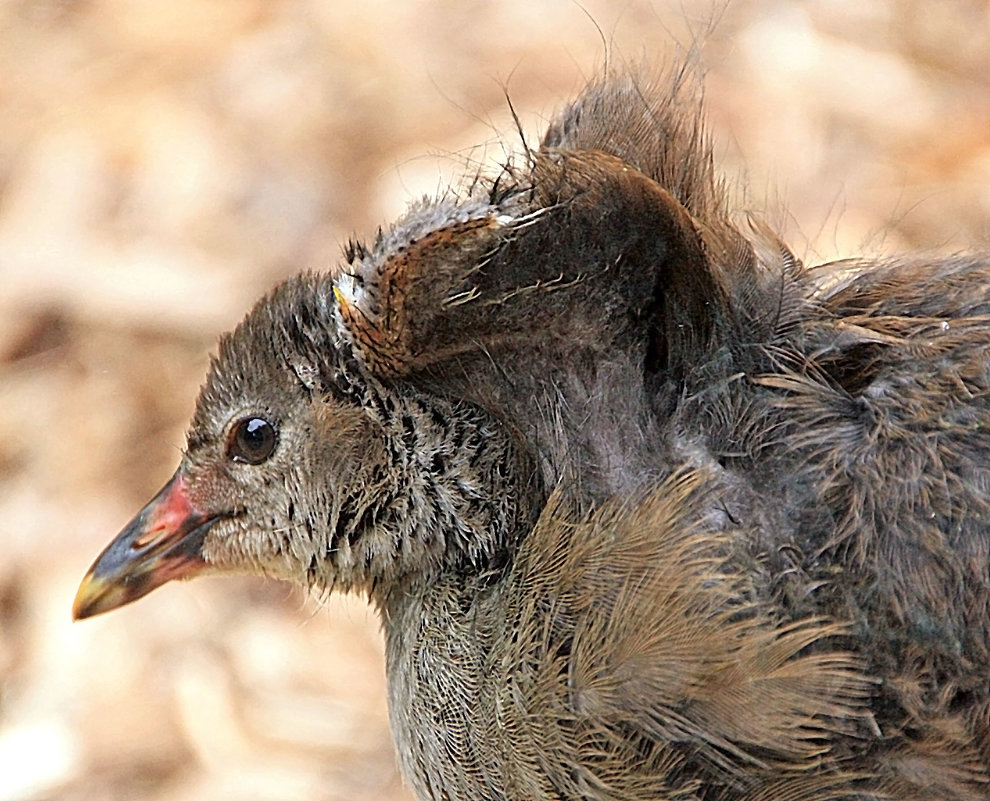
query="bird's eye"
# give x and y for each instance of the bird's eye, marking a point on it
(252, 440)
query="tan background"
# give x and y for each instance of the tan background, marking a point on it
(162, 163)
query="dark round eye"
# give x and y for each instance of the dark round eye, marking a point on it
(252, 440)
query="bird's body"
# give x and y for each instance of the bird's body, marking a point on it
(649, 509)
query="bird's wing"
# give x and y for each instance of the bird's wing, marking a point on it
(632, 632)
(600, 235)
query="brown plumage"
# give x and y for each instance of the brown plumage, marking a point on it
(650, 510)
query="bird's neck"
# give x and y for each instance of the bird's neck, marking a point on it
(438, 640)
(464, 493)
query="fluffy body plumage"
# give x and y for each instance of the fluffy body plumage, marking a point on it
(650, 509)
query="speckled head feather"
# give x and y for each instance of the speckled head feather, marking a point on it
(293, 330)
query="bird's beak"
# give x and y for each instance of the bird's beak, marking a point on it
(162, 543)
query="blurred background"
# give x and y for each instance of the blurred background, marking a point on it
(163, 163)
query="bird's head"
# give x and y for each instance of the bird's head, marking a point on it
(284, 453)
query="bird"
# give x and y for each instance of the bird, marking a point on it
(649, 508)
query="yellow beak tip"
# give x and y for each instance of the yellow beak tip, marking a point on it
(92, 597)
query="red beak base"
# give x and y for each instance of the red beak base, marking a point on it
(164, 542)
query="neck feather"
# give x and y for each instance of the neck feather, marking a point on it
(452, 492)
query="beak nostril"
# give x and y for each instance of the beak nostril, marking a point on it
(146, 539)
(155, 532)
